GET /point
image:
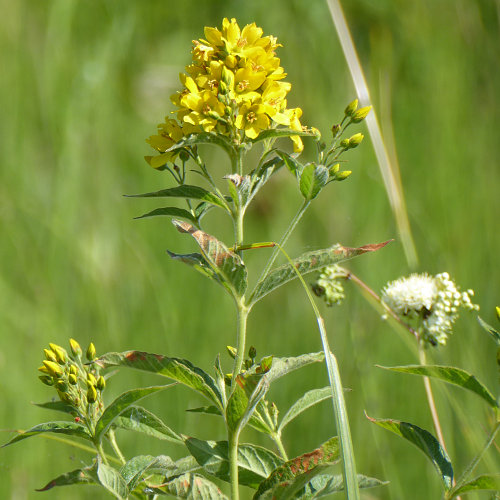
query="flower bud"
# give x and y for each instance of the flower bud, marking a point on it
(360, 114)
(90, 354)
(351, 108)
(222, 87)
(252, 352)
(53, 368)
(62, 386)
(335, 130)
(101, 383)
(227, 76)
(355, 140)
(45, 379)
(50, 355)
(231, 61)
(497, 310)
(91, 380)
(75, 348)
(184, 155)
(341, 176)
(43, 369)
(91, 394)
(73, 369)
(72, 378)
(344, 143)
(232, 351)
(334, 169)
(59, 352)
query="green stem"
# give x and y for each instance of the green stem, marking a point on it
(277, 440)
(241, 338)
(233, 465)
(114, 445)
(101, 453)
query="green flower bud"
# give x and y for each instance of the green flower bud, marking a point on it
(43, 369)
(351, 108)
(342, 176)
(59, 352)
(91, 394)
(75, 348)
(90, 354)
(252, 352)
(45, 379)
(360, 114)
(344, 143)
(53, 368)
(227, 76)
(334, 169)
(101, 383)
(91, 380)
(184, 155)
(335, 130)
(355, 140)
(73, 379)
(232, 351)
(50, 356)
(228, 110)
(73, 369)
(274, 414)
(222, 87)
(62, 386)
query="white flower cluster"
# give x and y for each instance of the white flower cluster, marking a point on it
(329, 286)
(434, 300)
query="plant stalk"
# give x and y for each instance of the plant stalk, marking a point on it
(114, 445)
(233, 465)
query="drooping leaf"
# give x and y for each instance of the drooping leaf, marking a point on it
(423, 440)
(312, 180)
(60, 406)
(120, 404)
(62, 427)
(308, 400)
(181, 370)
(78, 476)
(307, 263)
(282, 132)
(494, 333)
(293, 165)
(172, 212)
(254, 462)
(138, 466)
(197, 261)
(293, 475)
(139, 419)
(185, 191)
(326, 484)
(226, 264)
(490, 482)
(451, 375)
(193, 487)
(112, 480)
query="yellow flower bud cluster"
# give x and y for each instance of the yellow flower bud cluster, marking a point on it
(77, 384)
(234, 86)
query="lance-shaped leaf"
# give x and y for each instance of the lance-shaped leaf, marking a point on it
(181, 370)
(112, 480)
(490, 330)
(451, 375)
(172, 212)
(185, 191)
(293, 165)
(281, 132)
(79, 476)
(120, 404)
(197, 261)
(293, 475)
(63, 427)
(490, 482)
(203, 138)
(227, 265)
(308, 400)
(193, 487)
(312, 180)
(423, 440)
(307, 263)
(254, 462)
(136, 467)
(60, 406)
(139, 419)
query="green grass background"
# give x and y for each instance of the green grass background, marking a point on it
(85, 82)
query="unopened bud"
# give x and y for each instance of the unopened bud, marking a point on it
(43, 369)
(75, 348)
(73, 369)
(184, 155)
(72, 378)
(342, 176)
(334, 169)
(497, 310)
(101, 383)
(232, 351)
(274, 414)
(355, 140)
(214, 115)
(344, 143)
(45, 379)
(222, 87)
(91, 380)
(62, 386)
(91, 394)
(360, 114)
(90, 354)
(351, 108)
(59, 352)
(335, 130)
(53, 368)
(227, 76)
(231, 61)
(50, 355)
(252, 352)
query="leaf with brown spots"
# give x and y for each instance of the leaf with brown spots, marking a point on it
(227, 267)
(293, 475)
(307, 263)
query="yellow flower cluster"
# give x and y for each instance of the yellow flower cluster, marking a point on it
(234, 86)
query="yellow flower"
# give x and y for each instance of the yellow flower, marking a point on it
(252, 119)
(294, 115)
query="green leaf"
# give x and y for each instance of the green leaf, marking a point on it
(170, 211)
(181, 370)
(57, 406)
(185, 191)
(136, 467)
(494, 333)
(112, 480)
(138, 419)
(308, 400)
(294, 166)
(307, 263)
(293, 475)
(120, 404)
(63, 427)
(281, 132)
(227, 265)
(78, 476)
(484, 482)
(204, 138)
(312, 180)
(326, 484)
(451, 375)
(207, 410)
(193, 487)
(197, 261)
(254, 462)
(423, 440)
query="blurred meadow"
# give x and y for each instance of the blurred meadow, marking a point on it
(83, 83)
